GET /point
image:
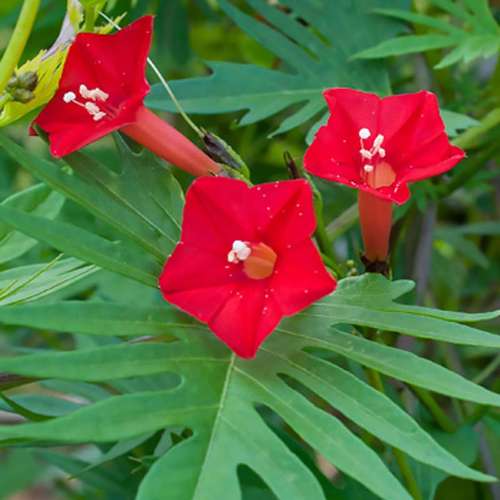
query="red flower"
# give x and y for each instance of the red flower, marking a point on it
(379, 145)
(102, 89)
(245, 259)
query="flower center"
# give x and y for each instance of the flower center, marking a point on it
(92, 96)
(258, 259)
(376, 172)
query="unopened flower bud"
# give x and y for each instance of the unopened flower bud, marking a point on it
(220, 151)
(28, 80)
(22, 95)
(13, 82)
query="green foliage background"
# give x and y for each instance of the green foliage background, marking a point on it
(125, 397)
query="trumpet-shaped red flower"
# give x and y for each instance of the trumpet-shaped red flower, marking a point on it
(379, 145)
(245, 259)
(102, 89)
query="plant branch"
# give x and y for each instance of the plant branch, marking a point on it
(423, 254)
(488, 370)
(90, 18)
(468, 170)
(376, 382)
(343, 222)
(18, 41)
(436, 411)
(469, 138)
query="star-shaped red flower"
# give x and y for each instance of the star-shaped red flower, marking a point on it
(246, 258)
(102, 89)
(116, 65)
(379, 145)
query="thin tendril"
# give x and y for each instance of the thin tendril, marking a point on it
(165, 84)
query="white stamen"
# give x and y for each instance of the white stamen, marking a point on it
(92, 108)
(84, 91)
(99, 116)
(378, 141)
(365, 154)
(240, 251)
(371, 154)
(69, 97)
(95, 94)
(238, 245)
(364, 133)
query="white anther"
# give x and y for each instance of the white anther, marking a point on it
(99, 116)
(364, 133)
(378, 141)
(101, 95)
(92, 108)
(95, 94)
(368, 168)
(84, 91)
(381, 152)
(366, 154)
(69, 97)
(240, 251)
(238, 245)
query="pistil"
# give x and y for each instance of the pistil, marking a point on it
(258, 259)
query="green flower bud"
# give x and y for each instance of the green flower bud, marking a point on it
(28, 80)
(22, 95)
(13, 82)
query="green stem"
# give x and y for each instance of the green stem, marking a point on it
(90, 17)
(4, 99)
(436, 411)
(469, 137)
(375, 380)
(343, 222)
(324, 243)
(18, 40)
(488, 370)
(467, 170)
(478, 413)
(452, 362)
(407, 474)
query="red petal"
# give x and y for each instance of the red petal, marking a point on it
(198, 281)
(334, 153)
(356, 109)
(76, 130)
(217, 212)
(300, 278)
(115, 64)
(246, 319)
(283, 213)
(424, 170)
(416, 142)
